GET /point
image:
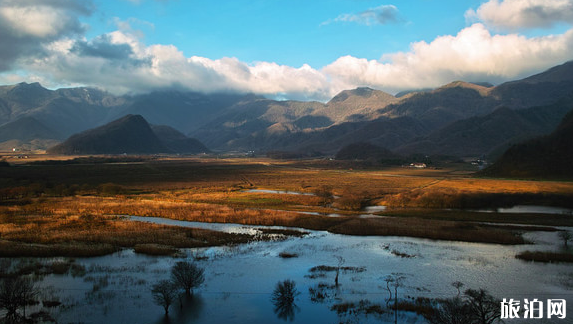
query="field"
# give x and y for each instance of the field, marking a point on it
(53, 206)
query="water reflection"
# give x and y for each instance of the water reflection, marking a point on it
(187, 309)
(283, 299)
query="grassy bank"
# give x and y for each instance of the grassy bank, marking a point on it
(98, 226)
(24, 234)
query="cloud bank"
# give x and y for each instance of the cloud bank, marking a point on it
(55, 52)
(523, 14)
(474, 54)
(26, 26)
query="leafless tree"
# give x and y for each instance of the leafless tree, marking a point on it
(15, 294)
(341, 261)
(450, 311)
(187, 275)
(164, 293)
(458, 285)
(485, 309)
(394, 280)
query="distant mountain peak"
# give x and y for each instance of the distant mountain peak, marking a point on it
(128, 134)
(480, 87)
(361, 92)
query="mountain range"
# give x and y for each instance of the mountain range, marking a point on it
(457, 119)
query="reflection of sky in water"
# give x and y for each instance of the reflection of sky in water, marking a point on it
(283, 192)
(521, 209)
(240, 280)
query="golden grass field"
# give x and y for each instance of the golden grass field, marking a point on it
(72, 209)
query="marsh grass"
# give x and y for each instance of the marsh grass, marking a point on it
(155, 249)
(54, 225)
(79, 218)
(56, 232)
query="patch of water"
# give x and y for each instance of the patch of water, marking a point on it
(282, 192)
(374, 209)
(239, 280)
(522, 209)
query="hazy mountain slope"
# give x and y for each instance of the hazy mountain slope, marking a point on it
(249, 118)
(27, 129)
(537, 90)
(67, 110)
(489, 134)
(365, 151)
(455, 101)
(185, 111)
(544, 157)
(129, 134)
(177, 141)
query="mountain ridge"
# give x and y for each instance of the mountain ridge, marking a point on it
(250, 122)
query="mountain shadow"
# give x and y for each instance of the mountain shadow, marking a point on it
(130, 134)
(543, 157)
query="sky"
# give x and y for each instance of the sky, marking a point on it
(283, 49)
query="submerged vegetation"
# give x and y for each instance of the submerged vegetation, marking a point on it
(547, 257)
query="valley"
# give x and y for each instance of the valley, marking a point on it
(113, 215)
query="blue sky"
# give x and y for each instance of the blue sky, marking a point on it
(295, 49)
(291, 32)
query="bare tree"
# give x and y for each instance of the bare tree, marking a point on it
(15, 294)
(566, 236)
(450, 311)
(187, 275)
(458, 285)
(341, 261)
(484, 307)
(389, 281)
(476, 307)
(164, 293)
(394, 280)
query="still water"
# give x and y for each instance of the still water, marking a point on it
(239, 280)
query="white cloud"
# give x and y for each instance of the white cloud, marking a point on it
(474, 54)
(120, 63)
(26, 25)
(380, 15)
(518, 14)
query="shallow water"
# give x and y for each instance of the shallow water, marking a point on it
(521, 209)
(240, 280)
(284, 192)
